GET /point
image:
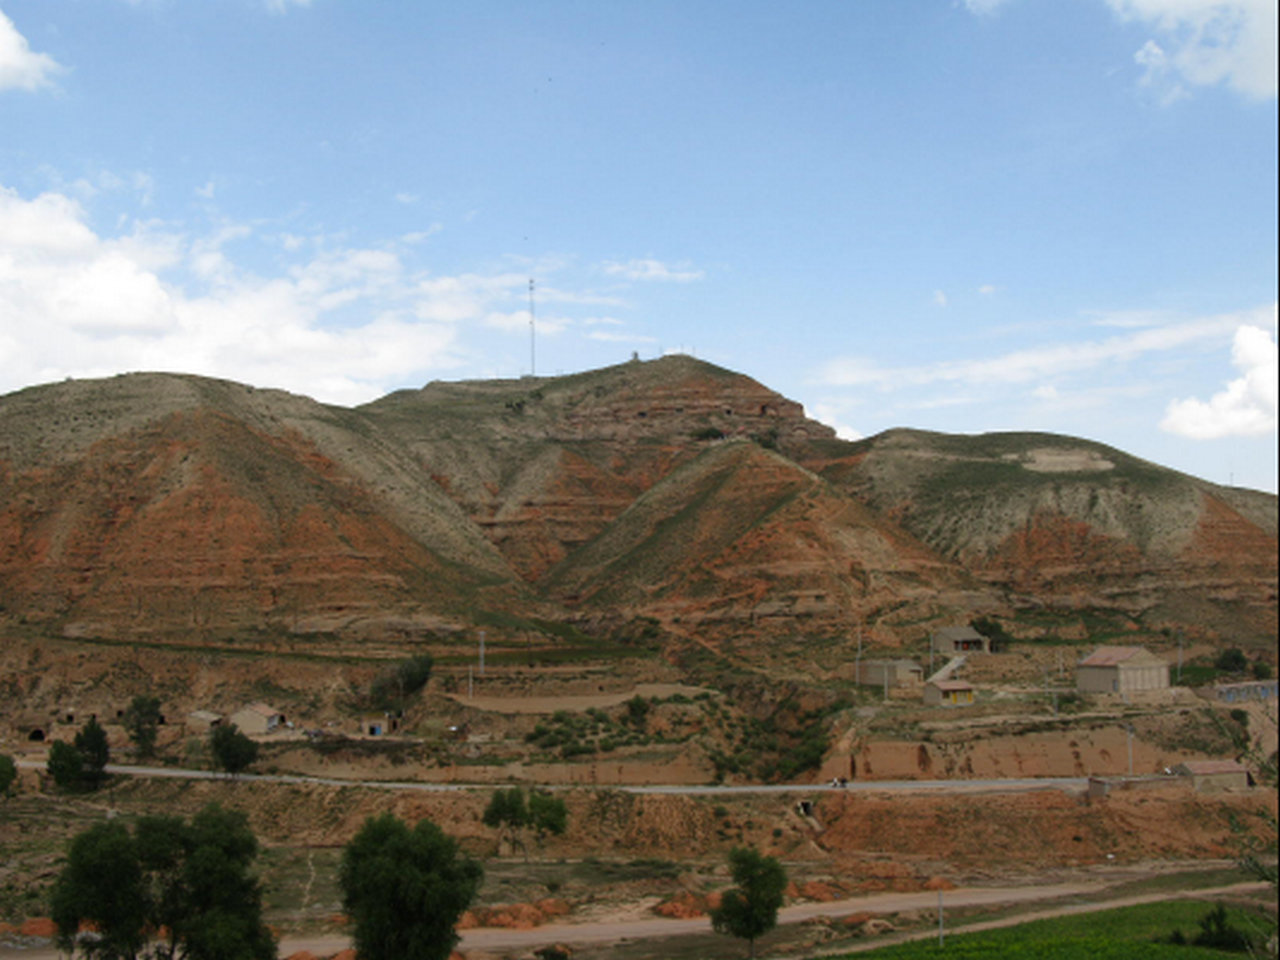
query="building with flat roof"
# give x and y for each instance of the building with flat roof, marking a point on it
(960, 640)
(948, 693)
(893, 673)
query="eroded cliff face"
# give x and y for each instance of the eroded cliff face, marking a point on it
(198, 522)
(545, 465)
(671, 489)
(1076, 525)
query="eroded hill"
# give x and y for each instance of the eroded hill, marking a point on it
(671, 491)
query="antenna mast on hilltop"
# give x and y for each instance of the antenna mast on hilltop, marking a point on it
(533, 367)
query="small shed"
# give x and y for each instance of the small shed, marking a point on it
(960, 640)
(1210, 776)
(379, 724)
(893, 673)
(948, 693)
(202, 721)
(1121, 670)
(257, 718)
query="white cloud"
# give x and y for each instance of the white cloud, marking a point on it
(983, 7)
(466, 297)
(939, 298)
(20, 67)
(987, 289)
(282, 6)
(1040, 363)
(73, 303)
(1206, 43)
(832, 415)
(1246, 406)
(620, 336)
(652, 270)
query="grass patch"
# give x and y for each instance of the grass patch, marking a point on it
(1128, 933)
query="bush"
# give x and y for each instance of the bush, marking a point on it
(232, 750)
(1217, 932)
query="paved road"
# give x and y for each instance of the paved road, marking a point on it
(896, 786)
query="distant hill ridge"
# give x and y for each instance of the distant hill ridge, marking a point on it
(167, 504)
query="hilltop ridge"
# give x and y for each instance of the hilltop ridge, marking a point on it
(670, 490)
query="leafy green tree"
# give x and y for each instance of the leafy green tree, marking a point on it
(547, 814)
(8, 774)
(404, 890)
(232, 750)
(191, 882)
(102, 884)
(507, 813)
(637, 711)
(751, 908)
(91, 743)
(142, 721)
(66, 766)
(392, 688)
(511, 813)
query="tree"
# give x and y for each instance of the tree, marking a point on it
(189, 882)
(91, 744)
(66, 766)
(509, 812)
(232, 750)
(8, 774)
(547, 814)
(751, 908)
(392, 688)
(142, 721)
(102, 885)
(404, 890)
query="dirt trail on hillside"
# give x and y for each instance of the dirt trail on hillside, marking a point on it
(507, 703)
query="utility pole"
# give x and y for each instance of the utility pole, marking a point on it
(533, 366)
(941, 932)
(857, 661)
(1129, 730)
(482, 653)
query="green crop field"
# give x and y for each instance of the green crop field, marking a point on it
(1128, 933)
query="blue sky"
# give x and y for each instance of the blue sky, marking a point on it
(959, 216)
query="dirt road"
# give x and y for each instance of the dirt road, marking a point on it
(489, 940)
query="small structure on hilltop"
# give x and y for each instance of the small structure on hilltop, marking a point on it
(960, 640)
(1210, 776)
(889, 673)
(948, 693)
(1121, 670)
(257, 718)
